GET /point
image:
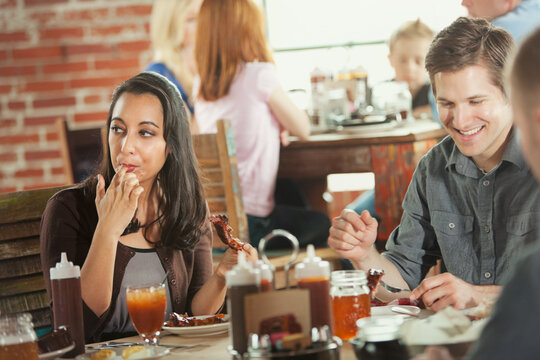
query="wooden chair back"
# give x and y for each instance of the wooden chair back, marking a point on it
(216, 154)
(22, 288)
(82, 150)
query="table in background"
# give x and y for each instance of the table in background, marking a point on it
(211, 347)
(391, 154)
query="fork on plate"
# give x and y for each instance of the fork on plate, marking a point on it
(391, 288)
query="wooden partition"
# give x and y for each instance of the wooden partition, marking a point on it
(216, 154)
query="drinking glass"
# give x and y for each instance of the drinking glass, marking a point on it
(17, 337)
(146, 306)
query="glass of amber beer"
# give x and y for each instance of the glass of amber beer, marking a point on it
(146, 306)
(17, 337)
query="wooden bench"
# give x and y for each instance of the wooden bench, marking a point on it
(22, 288)
(82, 150)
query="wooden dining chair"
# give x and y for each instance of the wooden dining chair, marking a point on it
(82, 150)
(216, 155)
(22, 288)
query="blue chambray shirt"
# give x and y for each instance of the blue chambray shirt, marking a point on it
(477, 223)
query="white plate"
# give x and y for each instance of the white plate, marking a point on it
(387, 310)
(156, 352)
(56, 353)
(213, 329)
(364, 129)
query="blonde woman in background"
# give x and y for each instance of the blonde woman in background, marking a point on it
(172, 31)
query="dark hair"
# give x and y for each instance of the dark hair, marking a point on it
(524, 75)
(182, 204)
(470, 42)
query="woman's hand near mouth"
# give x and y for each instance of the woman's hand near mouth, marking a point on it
(116, 206)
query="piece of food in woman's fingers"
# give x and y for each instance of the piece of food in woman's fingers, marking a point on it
(224, 231)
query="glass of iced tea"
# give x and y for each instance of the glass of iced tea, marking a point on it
(17, 337)
(350, 300)
(146, 306)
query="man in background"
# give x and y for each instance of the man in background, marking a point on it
(518, 17)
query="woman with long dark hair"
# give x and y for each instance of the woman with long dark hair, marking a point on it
(143, 216)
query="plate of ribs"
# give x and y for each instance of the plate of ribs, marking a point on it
(184, 325)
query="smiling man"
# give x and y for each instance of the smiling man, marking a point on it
(472, 201)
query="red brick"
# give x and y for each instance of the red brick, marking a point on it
(43, 16)
(8, 157)
(19, 139)
(16, 105)
(67, 101)
(8, 189)
(93, 14)
(144, 10)
(113, 30)
(95, 82)
(44, 86)
(5, 89)
(65, 67)
(3, 54)
(5, 123)
(147, 28)
(92, 99)
(13, 36)
(57, 171)
(52, 136)
(40, 155)
(38, 52)
(28, 173)
(8, 4)
(89, 49)
(50, 34)
(42, 185)
(95, 116)
(117, 64)
(43, 2)
(17, 70)
(40, 120)
(137, 46)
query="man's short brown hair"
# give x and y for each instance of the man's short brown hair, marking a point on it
(470, 42)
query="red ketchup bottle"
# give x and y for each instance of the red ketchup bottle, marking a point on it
(67, 302)
(242, 280)
(314, 274)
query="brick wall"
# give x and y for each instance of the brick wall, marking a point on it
(61, 59)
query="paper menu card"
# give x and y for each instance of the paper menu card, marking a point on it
(265, 305)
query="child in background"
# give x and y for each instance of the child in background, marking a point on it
(408, 47)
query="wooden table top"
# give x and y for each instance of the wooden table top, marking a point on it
(211, 347)
(407, 132)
